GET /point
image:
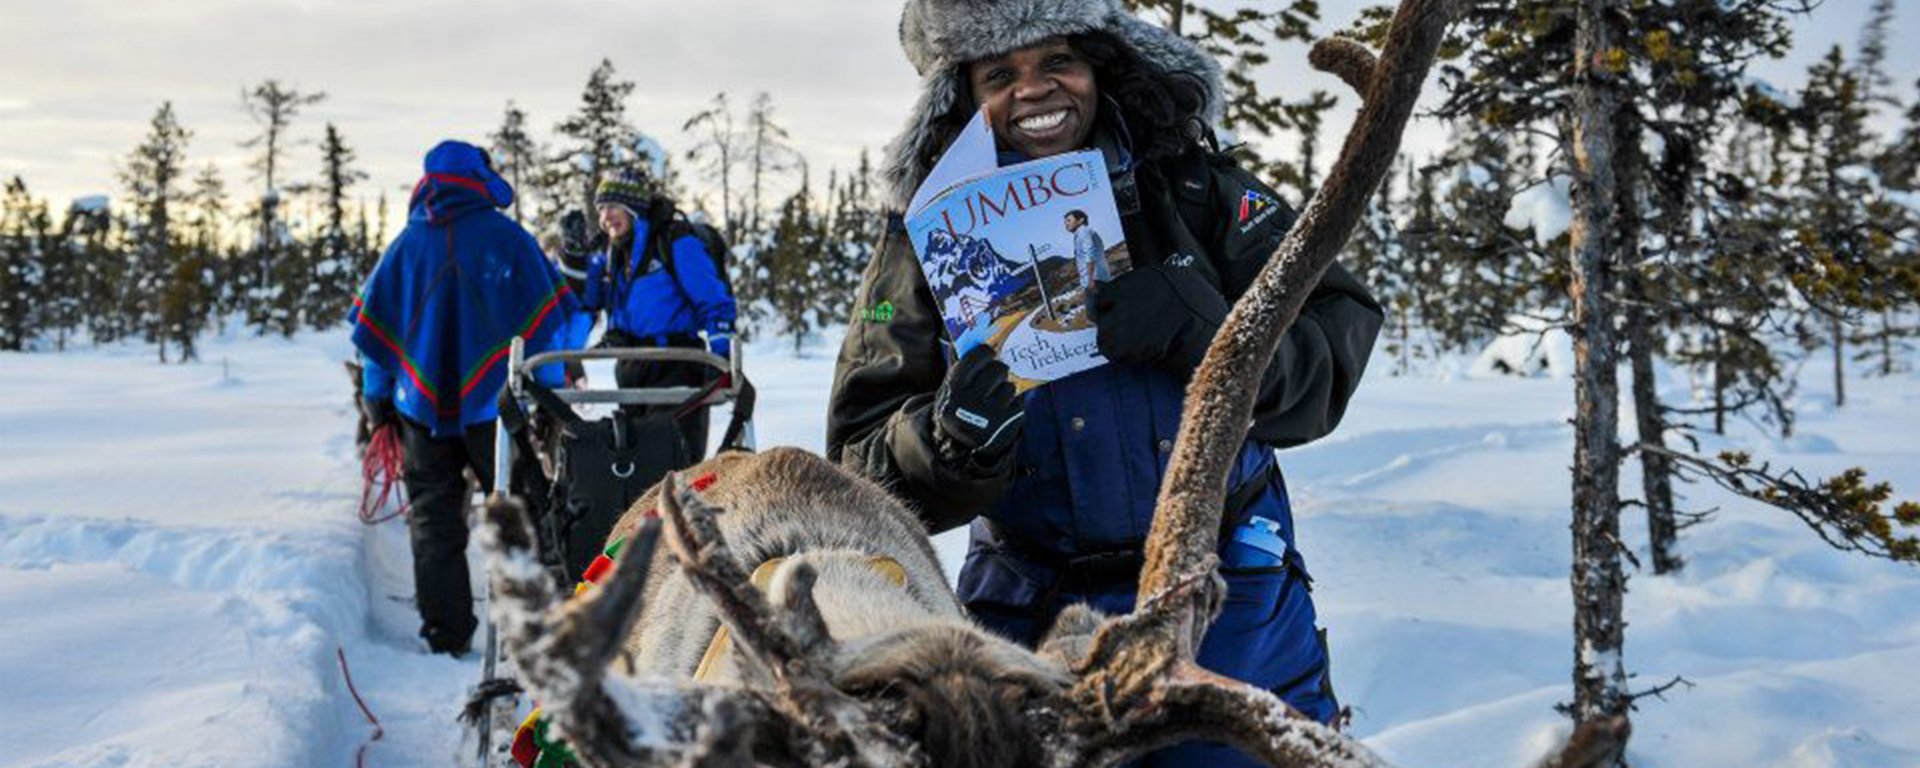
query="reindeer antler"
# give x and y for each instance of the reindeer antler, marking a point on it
(836, 729)
(1139, 687)
(1220, 399)
(563, 651)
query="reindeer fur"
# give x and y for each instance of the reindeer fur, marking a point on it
(953, 684)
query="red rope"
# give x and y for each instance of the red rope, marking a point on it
(382, 468)
(359, 755)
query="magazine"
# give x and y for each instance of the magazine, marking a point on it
(1012, 253)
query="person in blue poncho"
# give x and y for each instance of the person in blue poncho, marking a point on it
(433, 325)
(658, 291)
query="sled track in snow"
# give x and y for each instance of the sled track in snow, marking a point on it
(220, 641)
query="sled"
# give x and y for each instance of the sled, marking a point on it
(576, 475)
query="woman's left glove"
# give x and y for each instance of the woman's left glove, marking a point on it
(1164, 315)
(976, 412)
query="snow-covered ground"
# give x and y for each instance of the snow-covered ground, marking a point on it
(180, 563)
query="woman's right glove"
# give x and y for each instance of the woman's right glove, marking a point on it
(976, 413)
(1164, 316)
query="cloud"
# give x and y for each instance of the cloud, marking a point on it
(84, 76)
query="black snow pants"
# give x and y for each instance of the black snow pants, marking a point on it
(437, 490)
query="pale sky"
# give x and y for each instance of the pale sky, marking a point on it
(83, 77)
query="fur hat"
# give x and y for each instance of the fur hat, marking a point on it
(939, 36)
(627, 189)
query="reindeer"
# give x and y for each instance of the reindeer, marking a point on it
(850, 649)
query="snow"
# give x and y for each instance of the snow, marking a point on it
(656, 155)
(179, 560)
(1911, 200)
(1545, 207)
(1530, 347)
(1771, 93)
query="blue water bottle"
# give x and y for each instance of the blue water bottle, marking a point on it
(1257, 543)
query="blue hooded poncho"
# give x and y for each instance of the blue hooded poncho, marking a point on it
(435, 319)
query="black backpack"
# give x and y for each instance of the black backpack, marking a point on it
(668, 225)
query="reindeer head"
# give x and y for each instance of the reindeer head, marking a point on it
(1099, 690)
(959, 694)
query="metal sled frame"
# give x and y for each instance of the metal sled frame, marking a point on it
(520, 370)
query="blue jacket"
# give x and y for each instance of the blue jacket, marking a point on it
(435, 318)
(644, 299)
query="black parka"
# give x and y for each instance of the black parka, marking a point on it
(895, 352)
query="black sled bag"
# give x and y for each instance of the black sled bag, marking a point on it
(599, 468)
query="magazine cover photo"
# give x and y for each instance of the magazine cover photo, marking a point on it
(1013, 257)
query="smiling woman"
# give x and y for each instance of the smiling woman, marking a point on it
(1061, 495)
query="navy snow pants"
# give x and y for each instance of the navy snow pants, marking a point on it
(1267, 635)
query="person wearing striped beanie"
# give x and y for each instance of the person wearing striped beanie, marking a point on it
(660, 287)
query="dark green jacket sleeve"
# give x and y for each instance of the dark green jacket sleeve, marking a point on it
(1320, 360)
(879, 416)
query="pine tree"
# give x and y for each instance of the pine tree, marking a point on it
(598, 137)
(1381, 256)
(272, 107)
(335, 276)
(1238, 33)
(186, 300)
(1841, 208)
(1598, 77)
(791, 262)
(1480, 274)
(769, 152)
(1882, 337)
(854, 226)
(23, 248)
(1870, 59)
(92, 230)
(1300, 174)
(153, 175)
(207, 205)
(518, 156)
(1900, 164)
(60, 305)
(366, 248)
(1592, 138)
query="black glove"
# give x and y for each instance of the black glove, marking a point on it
(579, 237)
(1163, 315)
(379, 413)
(975, 411)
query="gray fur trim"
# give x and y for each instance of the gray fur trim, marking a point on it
(940, 35)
